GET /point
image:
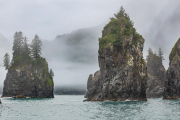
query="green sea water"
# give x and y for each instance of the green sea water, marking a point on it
(64, 107)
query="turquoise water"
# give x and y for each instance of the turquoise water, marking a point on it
(72, 108)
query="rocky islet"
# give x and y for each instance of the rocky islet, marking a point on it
(123, 71)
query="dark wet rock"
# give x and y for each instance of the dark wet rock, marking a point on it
(93, 85)
(29, 80)
(172, 83)
(123, 71)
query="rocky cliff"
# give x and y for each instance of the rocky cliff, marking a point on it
(29, 78)
(123, 71)
(172, 83)
(156, 76)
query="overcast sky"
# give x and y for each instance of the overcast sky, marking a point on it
(49, 18)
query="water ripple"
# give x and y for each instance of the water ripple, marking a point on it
(72, 108)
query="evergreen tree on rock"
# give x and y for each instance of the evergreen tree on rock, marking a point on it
(121, 13)
(160, 54)
(26, 49)
(150, 53)
(17, 44)
(6, 61)
(51, 72)
(36, 47)
(119, 40)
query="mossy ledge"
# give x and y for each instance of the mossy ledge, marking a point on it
(173, 53)
(120, 26)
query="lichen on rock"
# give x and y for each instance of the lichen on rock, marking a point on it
(123, 71)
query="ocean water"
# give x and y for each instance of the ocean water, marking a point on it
(66, 107)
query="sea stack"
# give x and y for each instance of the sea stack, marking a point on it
(28, 74)
(172, 84)
(156, 74)
(123, 71)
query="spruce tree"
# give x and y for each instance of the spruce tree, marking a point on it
(160, 54)
(26, 49)
(36, 47)
(17, 44)
(6, 61)
(119, 40)
(150, 53)
(20, 41)
(155, 53)
(51, 72)
(121, 13)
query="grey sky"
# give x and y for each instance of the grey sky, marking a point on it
(49, 18)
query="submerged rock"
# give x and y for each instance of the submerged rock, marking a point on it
(123, 71)
(172, 84)
(156, 76)
(29, 80)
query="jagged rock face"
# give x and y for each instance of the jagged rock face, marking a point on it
(156, 77)
(172, 83)
(122, 75)
(93, 85)
(28, 81)
(123, 71)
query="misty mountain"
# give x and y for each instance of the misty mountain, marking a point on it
(164, 30)
(2, 38)
(4, 47)
(80, 46)
(69, 90)
(4, 42)
(73, 57)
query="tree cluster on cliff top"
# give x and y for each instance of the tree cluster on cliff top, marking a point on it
(119, 27)
(22, 48)
(24, 53)
(154, 59)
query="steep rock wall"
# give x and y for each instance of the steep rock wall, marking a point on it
(156, 76)
(29, 80)
(172, 83)
(123, 71)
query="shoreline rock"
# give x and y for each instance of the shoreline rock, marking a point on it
(29, 80)
(123, 71)
(156, 75)
(172, 83)
(86, 100)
